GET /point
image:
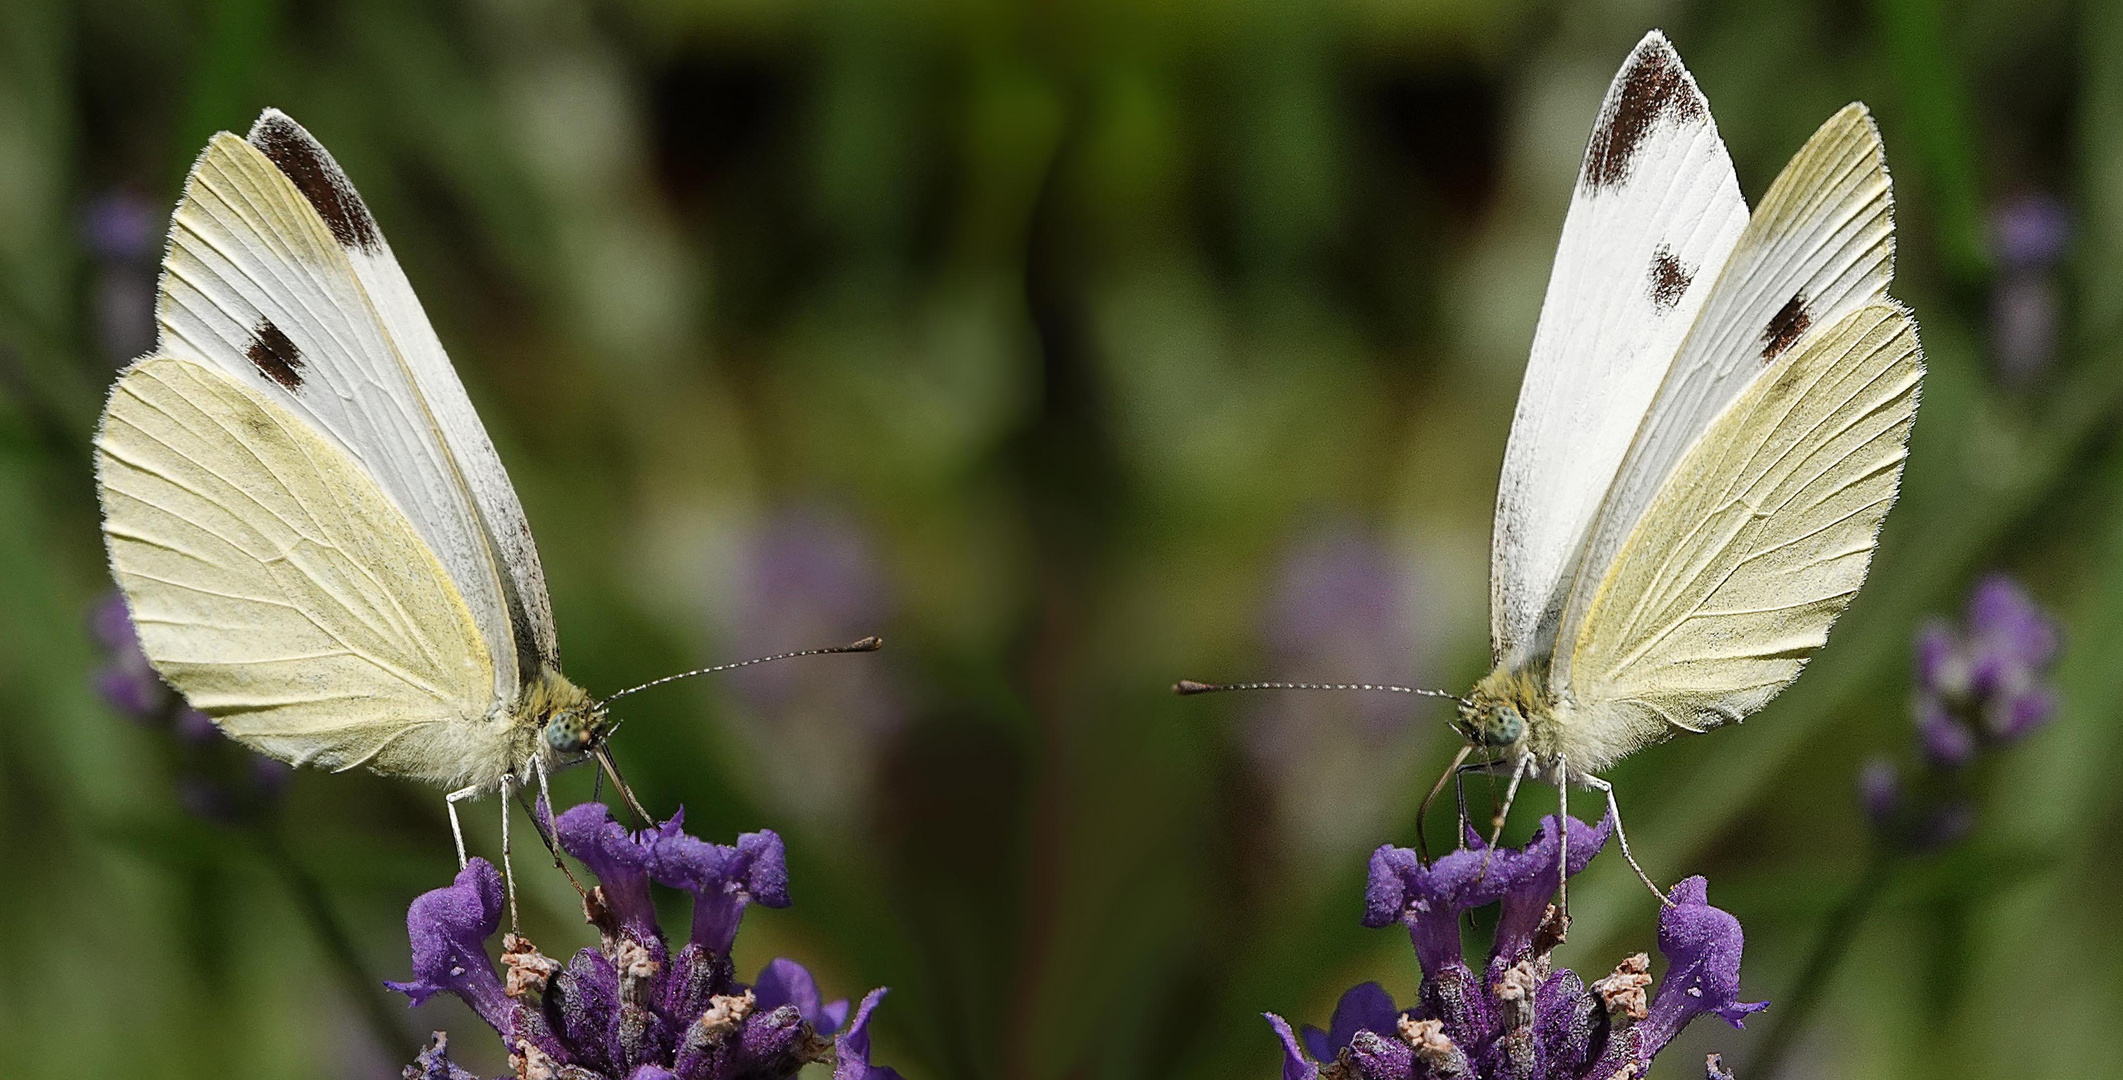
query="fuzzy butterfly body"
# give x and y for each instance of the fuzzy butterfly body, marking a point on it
(1710, 433)
(319, 546)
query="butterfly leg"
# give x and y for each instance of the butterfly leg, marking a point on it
(508, 868)
(1511, 794)
(1459, 794)
(544, 824)
(457, 831)
(1614, 812)
(1562, 813)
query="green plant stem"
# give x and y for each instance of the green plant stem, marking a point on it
(1792, 1011)
(361, 985)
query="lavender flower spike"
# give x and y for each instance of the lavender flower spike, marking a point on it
(629, 1009)
(1979, 689)
(1521, 1017)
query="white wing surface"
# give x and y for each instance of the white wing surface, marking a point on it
(1820, 246)
(281, 589)
(1755, 544)
(278, 278)
(1655, 215)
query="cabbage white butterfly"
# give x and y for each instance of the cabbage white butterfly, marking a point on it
(317, 541)
(1710, 432)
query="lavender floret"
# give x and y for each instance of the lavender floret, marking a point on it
(1980, 687)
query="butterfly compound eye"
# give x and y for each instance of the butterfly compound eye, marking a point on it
(1503, 726)
(567, 733)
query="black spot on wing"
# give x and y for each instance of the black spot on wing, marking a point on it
(275, 356)
(1670, 278)
(1655, 89)
(1785, 327)
(305, 163)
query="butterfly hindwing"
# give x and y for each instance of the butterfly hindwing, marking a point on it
(1654, 217)
(274, 582)
(1757, 541)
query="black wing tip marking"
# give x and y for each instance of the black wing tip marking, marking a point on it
(1670, 278)
(306, 164)
(1786, 327)
(275, 356)
(1653, 87)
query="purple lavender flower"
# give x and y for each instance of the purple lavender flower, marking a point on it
(2029, 236)
(807, 576)
(1520, 1016)
(1980, 687)
(122, 232)
(632, 1008)
(1344, 607)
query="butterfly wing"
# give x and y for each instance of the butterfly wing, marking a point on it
(1656, 203)
(1820, 246)
(277, 277)
(1757, 541)
(279, 586)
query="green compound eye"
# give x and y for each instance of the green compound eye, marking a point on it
(566, 733)
(1505, 726)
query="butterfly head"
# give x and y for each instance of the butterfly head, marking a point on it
(570, 721)
(1494, 716)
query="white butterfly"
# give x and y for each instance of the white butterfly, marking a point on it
(1710, 432)
(318, 544)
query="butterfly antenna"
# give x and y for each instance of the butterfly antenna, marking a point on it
(868, 644)
(1188, 688)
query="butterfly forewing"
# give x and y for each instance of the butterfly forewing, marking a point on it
(1655, 214)
(278, 278)
(276, 584)
(406, 325)
(1756, 542)
(1820, 246)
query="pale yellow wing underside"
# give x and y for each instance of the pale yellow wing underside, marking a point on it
(280, 589)
(1820, 246)
(1755, 544)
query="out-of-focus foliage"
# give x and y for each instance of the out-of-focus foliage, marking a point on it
(1073, 347)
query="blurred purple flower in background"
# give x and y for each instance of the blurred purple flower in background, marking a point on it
(216, 779)
(631, 1008)
(805, 578)
(1344, 607)
(123, 234)
(2029, 235)
(1518, 1016)
(1980, 688)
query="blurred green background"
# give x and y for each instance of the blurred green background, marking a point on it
(1073, 347)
